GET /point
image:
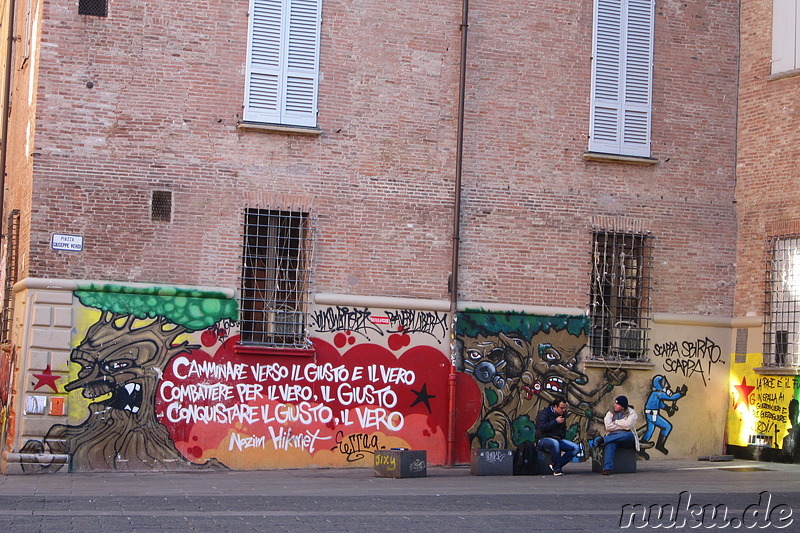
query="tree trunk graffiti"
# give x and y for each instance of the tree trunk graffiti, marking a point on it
(122, 357)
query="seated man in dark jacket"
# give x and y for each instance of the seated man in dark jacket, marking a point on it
(551, 431)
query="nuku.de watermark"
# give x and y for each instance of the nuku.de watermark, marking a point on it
(686, 514)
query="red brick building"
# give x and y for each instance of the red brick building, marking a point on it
(768, 208)
(276, 181)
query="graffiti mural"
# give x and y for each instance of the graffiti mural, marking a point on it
(160, 381)
(520, 363)
(118, 364)
(661, 400)
(7, 357)
(377, 380)
(791, 442)
(335, 409)
(764, 411)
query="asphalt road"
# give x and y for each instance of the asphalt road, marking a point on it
(743, 493)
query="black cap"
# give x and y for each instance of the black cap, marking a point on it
(622, 400)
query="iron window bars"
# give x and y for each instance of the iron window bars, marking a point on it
(276, 271)
(619, 313)
(782, 301)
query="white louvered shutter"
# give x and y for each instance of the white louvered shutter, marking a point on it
(283, 53)
(621, 77)
(785, 35)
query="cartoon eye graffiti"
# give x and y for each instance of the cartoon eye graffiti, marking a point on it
(474, 354)
(114, 366)
(537, 386)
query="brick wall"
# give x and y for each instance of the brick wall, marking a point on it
(768, 154)
(166, 97)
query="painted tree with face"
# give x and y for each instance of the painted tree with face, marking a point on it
(121, 360)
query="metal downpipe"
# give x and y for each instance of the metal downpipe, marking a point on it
(451, 382)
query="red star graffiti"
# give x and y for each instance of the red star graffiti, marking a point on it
(744, 393)
(46, 378)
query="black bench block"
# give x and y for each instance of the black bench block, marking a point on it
(624, 461)
(491, 462)
(401, 463)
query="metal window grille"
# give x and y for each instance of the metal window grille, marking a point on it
(619, 313)
(11, 274)
(161, 206)
(782, 302)
(93, 8)
(276, 272)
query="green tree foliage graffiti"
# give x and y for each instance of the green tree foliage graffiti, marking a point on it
(192, 309)
(476, 324)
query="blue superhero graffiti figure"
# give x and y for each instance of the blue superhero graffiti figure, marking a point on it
(661, 397)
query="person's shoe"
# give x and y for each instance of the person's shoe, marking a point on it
(558, 472)
(606, 472)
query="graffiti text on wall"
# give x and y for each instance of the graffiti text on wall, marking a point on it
(771, 406)
(274, 395)
(365, 323)
(688, 358)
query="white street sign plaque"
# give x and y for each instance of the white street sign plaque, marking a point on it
(69, 243)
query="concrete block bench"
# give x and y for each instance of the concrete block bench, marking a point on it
(400, 463)
(624, 461)
(491, 462)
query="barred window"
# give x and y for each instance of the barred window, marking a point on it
(275, 278)
(93, 8)
(782, 302)
(619, 312)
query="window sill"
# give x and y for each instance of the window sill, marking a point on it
(279, 128)
(246, 349)
(782, 75)
(617, 363)
(617, 158)
(777, 370)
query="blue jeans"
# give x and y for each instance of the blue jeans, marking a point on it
(623, 439)
(555, 447)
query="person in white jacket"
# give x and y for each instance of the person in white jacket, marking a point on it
(620, 424)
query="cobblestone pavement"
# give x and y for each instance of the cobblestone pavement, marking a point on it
(448, 499)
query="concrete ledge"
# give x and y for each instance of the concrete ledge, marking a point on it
(616, 158)
(692, 320)
(79, 284)
(279, 128)
(34, 463)
(385, 302)
(539, 310)
(38, 458)
(618, 363)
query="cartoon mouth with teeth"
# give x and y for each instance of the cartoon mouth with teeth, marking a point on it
(119, 366)
(99, 378)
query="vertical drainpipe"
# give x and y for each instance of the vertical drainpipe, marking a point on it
(6, 104)
(451, 382)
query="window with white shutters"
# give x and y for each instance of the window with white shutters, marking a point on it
(621, 77)
(283, 62)
(785, 35)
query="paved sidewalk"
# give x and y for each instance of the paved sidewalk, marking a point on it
(449, 499)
